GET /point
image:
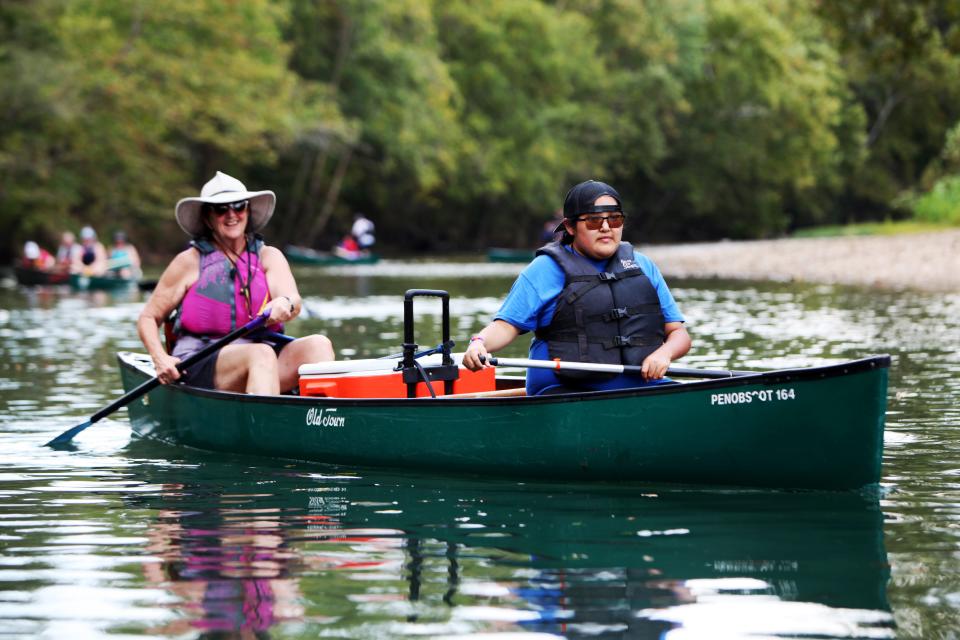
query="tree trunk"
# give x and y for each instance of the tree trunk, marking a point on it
(333, 192)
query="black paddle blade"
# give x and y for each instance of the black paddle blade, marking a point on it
(65, 437)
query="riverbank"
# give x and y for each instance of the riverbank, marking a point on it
(922, 261)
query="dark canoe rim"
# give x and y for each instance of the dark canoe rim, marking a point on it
(775, 377)
(27, 276)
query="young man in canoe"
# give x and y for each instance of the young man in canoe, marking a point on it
(589, 298)
(226, 278)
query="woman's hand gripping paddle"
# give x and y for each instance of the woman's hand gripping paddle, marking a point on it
(65, 437)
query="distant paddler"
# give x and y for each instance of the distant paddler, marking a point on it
(91, 260)
(225, 279)
(123, 259)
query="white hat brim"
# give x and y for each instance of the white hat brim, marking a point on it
(262, 205)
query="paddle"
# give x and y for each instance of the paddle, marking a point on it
(612, 368)
(67, 436)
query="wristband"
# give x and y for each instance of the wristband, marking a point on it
(477, 338)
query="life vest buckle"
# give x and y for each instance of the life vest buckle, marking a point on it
(606, 276)
(616, 314)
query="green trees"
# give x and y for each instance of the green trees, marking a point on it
(458, 124)
(770, 123)
(902, 61)
(129, 105)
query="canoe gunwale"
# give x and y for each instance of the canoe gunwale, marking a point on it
(775, 377)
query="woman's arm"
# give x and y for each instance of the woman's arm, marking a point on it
(493, 337)
(676, 345)
(179, 275)
(285, 302)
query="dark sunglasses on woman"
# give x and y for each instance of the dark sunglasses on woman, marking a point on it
(221, 209)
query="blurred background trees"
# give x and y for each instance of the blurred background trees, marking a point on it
(457, 124)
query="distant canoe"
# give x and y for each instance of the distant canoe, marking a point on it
(304, 255)
(497, 254)
(33, 277)
(101, 283)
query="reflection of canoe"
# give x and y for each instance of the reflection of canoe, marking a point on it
(27, 276)
(805, 428)
(496, 254)
(101, 283)
(303, 255)
(613, 542)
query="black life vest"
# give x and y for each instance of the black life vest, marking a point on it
(613, 317)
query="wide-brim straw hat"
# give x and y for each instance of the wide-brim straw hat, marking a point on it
(223, 189)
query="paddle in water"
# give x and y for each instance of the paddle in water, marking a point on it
(68, 435)
(560, 365)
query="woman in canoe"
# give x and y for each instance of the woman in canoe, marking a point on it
(227, 277)
(91, 260)
(589, 298)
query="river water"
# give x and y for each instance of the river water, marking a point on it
(128, 538)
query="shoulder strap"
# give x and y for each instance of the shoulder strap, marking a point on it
(255, 243)
(203, 245)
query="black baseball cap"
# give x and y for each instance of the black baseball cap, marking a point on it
(580, 199)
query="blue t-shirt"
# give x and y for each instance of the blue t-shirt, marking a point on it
(533, 299)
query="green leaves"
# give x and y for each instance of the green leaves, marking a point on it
(459, 124)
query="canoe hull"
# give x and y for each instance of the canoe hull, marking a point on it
(497, 254)
(300, 255)
(81, 282)
(33, 277)
(815, 428)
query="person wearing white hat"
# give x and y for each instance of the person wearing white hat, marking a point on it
(226, 278)
(36, 257)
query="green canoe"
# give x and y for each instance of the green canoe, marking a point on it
(499, 254)
(818, 428)
(101, 283)
(304, 255)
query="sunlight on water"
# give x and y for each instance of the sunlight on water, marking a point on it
(129, 538)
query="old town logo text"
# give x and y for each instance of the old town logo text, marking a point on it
(325, 418)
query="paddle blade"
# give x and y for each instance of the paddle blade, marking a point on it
(65, 437)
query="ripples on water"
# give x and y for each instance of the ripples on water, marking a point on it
(134, 538)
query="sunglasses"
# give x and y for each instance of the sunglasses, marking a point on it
(221, 209)
(595, 222)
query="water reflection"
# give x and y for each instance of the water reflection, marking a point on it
(230, 573)
(385, 556)
(378, 555)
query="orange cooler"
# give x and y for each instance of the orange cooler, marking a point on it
(389, 384)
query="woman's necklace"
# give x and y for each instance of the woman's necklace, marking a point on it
(235, 258)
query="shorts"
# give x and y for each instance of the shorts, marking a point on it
(201, 374)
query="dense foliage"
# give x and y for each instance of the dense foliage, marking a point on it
(458, 124)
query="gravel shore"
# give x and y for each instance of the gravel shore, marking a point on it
(922, 261)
